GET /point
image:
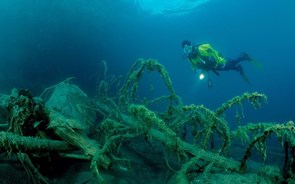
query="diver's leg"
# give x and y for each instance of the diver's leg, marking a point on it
(240, 69)
(231, 64)
(243, 57)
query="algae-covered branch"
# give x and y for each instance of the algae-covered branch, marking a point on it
(67, 136)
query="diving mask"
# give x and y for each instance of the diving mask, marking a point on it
(187, 49)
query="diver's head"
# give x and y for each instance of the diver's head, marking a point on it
(187, 46)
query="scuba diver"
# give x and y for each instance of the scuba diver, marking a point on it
(205, 58)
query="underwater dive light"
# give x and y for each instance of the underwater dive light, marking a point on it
(201, 76)
(200, 73)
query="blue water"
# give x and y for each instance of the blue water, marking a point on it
(44, 42)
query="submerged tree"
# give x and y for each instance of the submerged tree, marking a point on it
(185, 141)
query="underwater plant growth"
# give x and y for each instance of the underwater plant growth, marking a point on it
(124, 140)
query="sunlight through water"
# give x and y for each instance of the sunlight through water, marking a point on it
(168, 7)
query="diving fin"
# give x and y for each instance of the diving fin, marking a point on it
(257, 64)
(246, 56)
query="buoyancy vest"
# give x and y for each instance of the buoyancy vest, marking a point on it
(205, 56)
